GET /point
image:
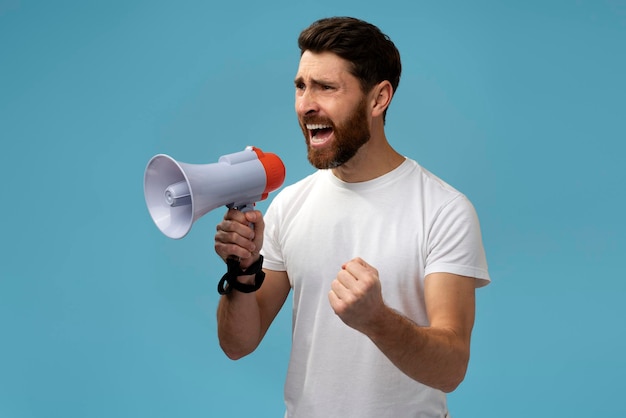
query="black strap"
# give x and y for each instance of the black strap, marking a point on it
(229, 280)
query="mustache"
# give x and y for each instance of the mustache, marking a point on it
(305, 120)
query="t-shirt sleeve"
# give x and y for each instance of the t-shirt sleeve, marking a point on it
(271, 250)
(455, 242)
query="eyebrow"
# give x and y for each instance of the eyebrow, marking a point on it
(300, 80)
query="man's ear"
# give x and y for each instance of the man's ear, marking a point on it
(382, 94)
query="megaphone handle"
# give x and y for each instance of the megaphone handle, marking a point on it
(245, 208)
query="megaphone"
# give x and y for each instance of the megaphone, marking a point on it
(178, 194)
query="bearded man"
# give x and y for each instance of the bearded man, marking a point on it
(382, 256)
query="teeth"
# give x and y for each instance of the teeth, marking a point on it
(313, 126)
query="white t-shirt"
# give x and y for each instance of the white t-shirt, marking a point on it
(407, 223)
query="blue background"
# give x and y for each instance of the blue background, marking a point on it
(520, 105)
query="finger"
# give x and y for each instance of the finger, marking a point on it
(234, 232)
(358, 267)
(346, 279)
(338, 288)
(256, 219)
(234, 238)
(236, 226)
(235, 215)
(336, 303)
(226, 251)
(350, 272)
(232, 243)
(232, 218)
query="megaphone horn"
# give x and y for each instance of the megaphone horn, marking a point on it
(178, 194)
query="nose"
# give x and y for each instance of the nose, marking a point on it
(306, 103)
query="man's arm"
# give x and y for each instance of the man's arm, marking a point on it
(436, 355)
(244, 318)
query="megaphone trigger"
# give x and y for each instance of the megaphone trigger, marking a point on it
(243, 209)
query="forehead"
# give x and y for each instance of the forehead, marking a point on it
(323, 66)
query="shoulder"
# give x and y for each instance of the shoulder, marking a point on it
(293, 192)
(431, 189)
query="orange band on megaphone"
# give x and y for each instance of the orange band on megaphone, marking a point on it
(274, 170)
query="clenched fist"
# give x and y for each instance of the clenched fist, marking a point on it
(356, 295)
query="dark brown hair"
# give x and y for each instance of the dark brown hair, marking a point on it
(373, 56)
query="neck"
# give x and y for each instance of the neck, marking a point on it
(373, 160)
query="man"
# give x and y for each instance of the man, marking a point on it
(382, 256)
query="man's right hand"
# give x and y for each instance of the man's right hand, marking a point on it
(240, 234)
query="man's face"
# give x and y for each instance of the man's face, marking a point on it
(332, 109)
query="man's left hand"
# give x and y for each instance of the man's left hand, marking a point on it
(356, 295)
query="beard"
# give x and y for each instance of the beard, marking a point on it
(350, 136)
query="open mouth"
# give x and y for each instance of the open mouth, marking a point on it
(319, 133)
